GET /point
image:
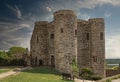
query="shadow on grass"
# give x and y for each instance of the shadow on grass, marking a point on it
(42, 70)
(45, 70)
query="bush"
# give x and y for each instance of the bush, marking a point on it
(96, 77)
(17, 62)
(115, 67)
(11, 62)
(119, 76)
(75, 68)
(115, 78)
(108, 80)
(86, 73)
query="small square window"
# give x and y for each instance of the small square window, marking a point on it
(37, 39)
(52, 36)
(101, 36)
(95, 58)
(87, 36)
(61, 30)
(75, 32)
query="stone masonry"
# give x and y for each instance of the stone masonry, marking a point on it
(66, 38)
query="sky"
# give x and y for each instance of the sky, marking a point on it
(17, 19)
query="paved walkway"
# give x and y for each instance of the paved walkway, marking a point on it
(117, 80)
(3, 75)
(78, 80)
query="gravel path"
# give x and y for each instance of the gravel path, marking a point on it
(117, 80)
(78, 80)
(13, 72)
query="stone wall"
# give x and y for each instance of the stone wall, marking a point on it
(110, 73)
(39, 41)
(51, 38)
(84, 43)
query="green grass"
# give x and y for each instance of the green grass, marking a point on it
(7, 68)
(3, 70)
(37, 74)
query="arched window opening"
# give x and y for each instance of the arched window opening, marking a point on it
(52, 61)
(40, 62)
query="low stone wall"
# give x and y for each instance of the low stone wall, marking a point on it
(110, 73)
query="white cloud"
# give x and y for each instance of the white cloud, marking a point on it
(9, 36)
(12, 27)
(113, 46)
(112, 2)
(15, 9)
(48, 9)
(76, 5)
(84, 16)
(25, 43)
(50, 17)
(93, 3)
(25, 25)
(107, 14)
(18, 12)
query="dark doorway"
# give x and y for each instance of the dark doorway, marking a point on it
(35, 61)
(40, 62)
(52, 61)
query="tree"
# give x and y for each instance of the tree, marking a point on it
(3, 58)
(16, 50)
(3, 55)
(13, 57)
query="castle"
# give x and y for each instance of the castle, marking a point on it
(66, 38)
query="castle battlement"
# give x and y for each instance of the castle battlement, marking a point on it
(41, 22)
(63, 12)
(79, 21)
(96, 20)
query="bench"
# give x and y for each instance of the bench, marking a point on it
(67, 76)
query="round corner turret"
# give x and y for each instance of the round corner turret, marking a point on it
(64, 14)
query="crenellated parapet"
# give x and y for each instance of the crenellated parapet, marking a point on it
(96, 20)
(64, 12)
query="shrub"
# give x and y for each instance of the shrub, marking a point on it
(16, 62)
(86, 73)
(115, 78)
(11, 62)
(96, 77)
(119, 76)
(75, 68)
(108, 80)
(115, 67)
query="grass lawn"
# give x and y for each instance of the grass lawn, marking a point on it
(6, 69)
(3, 70)
(37, 74)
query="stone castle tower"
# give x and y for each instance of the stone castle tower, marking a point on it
(67, 38)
